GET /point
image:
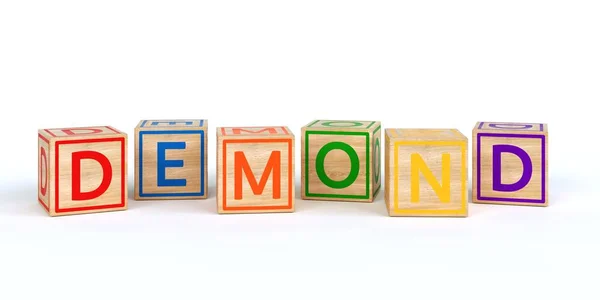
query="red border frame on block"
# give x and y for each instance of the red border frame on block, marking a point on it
(57, 209)
(290, 172)
(89, 127)
(47, 173)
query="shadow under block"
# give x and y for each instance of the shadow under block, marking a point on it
(255, 170)
(510, 163)
(341, 160)
(426, 172)
(82, 170)
(171, 160)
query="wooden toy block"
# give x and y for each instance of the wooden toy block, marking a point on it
(255, 170)
(171, 160)
(426, 172)
(510, 163)
(341, 160)
(82, 170)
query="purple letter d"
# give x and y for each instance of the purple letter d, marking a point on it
(497, 151)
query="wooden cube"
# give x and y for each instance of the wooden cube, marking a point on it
(255, 170)
(82, 170)
(341, 160)
(510, 163)
(171, 160)
(426, 172)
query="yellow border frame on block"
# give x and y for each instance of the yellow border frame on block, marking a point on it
(416, 212)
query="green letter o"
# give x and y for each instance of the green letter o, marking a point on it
(354, 165)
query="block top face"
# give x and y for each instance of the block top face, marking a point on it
(166, 124)
(510, 127)
(342, 125)
(79, 132)
(425, 134)
(254, 131)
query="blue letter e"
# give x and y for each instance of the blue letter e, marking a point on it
(162, 164)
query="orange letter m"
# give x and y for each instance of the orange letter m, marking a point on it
(273, 165)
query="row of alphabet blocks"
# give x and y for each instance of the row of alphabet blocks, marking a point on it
(84, 169)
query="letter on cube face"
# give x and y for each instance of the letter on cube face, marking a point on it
(82, 170)
(341, 160)
(426, 172)
(510, 163)
(171, 159)
(255, 169)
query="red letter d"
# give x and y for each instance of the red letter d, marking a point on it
(78, 195)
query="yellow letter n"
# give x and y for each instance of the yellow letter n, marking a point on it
(417, 165)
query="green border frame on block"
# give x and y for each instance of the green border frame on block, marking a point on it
(366, 196)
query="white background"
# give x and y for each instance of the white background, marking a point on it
(442, 64)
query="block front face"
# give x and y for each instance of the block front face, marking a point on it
(510, 168)
(90, 174)
(171, 164)
(44, 172)
(503, 126)
(337, 124)
(337, 165)
(426, 172)
(256, 175)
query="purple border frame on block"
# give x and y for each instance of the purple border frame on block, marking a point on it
(481, 125)
(512, 135)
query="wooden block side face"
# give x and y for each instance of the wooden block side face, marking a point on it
(342, 125)
(426, 134)
(171, 164)
(259, 131)
(81, 132)
(428, 178)
(376, 161)
(44, 183)
(182, 124)
(510, 168)
(90, 174)
(44, 134)
(387, 162)
(507, 127)
(255, 175)
(337, 165)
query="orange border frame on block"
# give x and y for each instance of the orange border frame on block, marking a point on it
(290, 172)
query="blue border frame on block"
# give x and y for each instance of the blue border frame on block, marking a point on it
(200, 122)
(202, 166)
